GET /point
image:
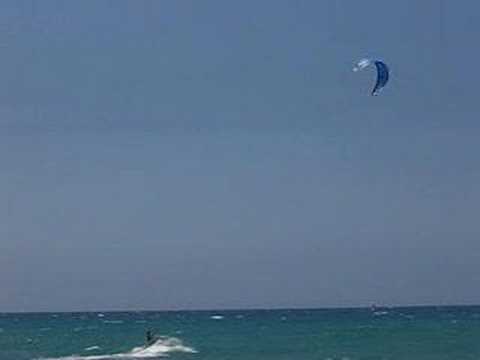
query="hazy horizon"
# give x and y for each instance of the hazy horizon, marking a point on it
(379, 307)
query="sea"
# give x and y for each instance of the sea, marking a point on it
(415, 333)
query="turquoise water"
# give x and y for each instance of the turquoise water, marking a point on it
(397, 333)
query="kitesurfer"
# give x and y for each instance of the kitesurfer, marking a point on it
(149, 338)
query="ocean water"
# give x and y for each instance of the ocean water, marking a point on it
(417, 333)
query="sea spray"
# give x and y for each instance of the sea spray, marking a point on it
(162, 347)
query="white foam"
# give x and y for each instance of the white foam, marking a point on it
(91, 348)
(216, 317)
(162, 347)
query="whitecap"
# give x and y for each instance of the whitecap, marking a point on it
(91, 348)
(216, 317)
(100, 315)
(162, 347)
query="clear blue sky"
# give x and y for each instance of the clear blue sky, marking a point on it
(206, 154)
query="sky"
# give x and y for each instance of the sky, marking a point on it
(162, 155)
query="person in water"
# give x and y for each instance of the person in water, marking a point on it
(149, 338)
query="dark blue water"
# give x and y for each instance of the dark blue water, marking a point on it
(398, 333)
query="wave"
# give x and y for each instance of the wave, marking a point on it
(91, 348)
(161, 348)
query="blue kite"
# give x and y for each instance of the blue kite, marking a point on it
(383, 73)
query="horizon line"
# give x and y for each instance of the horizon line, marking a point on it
(233, 309)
